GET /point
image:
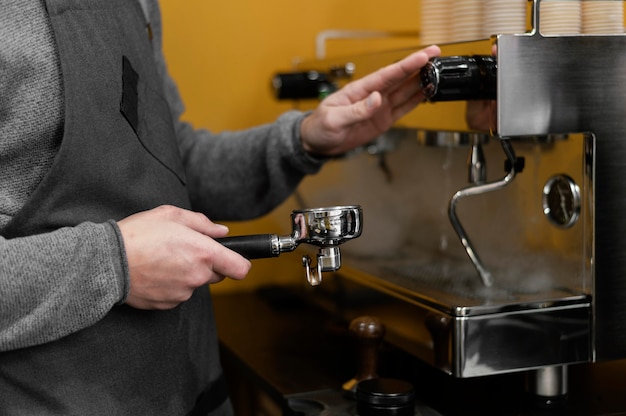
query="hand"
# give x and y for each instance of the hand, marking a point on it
(364, 109)
(171, 252)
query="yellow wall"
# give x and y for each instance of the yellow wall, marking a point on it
(223, 54)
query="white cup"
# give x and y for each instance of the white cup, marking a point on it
(467, 20)
(504, 17)
(560, 17)
(603, 16)
(435, 21)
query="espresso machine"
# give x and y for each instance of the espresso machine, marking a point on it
(495, 241)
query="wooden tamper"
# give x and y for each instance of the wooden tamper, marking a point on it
(368, 333)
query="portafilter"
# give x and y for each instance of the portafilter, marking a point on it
(326, 228)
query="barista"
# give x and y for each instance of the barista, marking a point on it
(105, 199)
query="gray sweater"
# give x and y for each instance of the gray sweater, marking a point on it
(57, 283)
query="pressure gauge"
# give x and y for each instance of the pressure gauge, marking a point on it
(561, 201)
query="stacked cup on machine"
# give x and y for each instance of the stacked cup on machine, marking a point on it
(603, 17)
(445, 21)
(467, 20)
(560, 17)
(504, 17)
(436, 26)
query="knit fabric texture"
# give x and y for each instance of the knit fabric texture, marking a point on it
(30, 89)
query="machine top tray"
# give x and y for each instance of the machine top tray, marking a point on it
(452, 285)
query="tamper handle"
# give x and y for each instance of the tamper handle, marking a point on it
(368, 332)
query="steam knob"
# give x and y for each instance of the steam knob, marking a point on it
(368, 332)
(460, 78)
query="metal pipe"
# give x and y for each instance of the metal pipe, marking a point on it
(484, 274)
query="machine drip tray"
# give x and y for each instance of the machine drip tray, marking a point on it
(440, 311)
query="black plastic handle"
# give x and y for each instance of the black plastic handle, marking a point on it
(257, 246)
(458, 78)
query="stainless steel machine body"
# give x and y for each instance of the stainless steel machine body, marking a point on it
(576, 84)
(554, 240)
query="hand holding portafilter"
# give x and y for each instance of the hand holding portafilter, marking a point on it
(326, 228)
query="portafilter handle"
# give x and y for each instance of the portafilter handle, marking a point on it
(326, 228)
(258, 246)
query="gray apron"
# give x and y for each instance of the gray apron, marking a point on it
(118, 156)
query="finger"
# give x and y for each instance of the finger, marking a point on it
(219, 259)
(193, 220)
(345, 116)
(391, 75)
(226, 262)
(410, 65)
(409, 90)
(407, 96)
(404, 108)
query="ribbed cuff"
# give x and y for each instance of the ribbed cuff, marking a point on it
(121, 267)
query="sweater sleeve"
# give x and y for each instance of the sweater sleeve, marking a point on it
(243, 175)
(57, 283)
(236, 175)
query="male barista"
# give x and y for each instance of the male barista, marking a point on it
(107, 250)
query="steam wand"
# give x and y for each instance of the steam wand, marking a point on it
(513, 167)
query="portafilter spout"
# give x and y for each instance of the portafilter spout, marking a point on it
(326, 228)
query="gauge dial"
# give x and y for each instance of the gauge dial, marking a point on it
(561, 201)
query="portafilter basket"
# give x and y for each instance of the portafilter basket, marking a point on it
(326, 228)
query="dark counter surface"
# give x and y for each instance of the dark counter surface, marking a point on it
(282, 343)
(289, 347)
